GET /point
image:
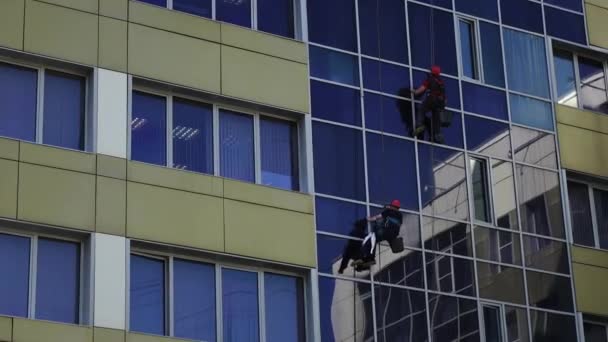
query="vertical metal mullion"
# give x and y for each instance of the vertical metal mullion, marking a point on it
(261, 309)
(170, 4)
(254, 15)
(169, 133)
(33, 276)
(129, 114)
(213, 6)
(257, 149)
(169, 296)
(218, 304)
(40, 107)
(81, 289)
(216, 141)
(490, 175)
(478, 50)
(593, 212)
(577, 82)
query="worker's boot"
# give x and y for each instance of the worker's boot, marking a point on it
(439, 138)
(419, 130)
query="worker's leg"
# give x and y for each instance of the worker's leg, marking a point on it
(420, 118)
(437, 136)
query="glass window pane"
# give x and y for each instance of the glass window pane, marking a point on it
(197, 7)
(575, 5)
(531, 112)
(552, 327)
(491, 51)
(387, 114)
(601, 211)
(400, 314)
(453, 319)
(64, 110)
(335, 103)
(580, 214)
(540, 201)
(328, 220)
(549, 291)
(487, 9)
(485, 101)
(479, 184)
(487, 136)
(383, 29)
(338, 160)
(147, 295)
(279, 144)
(389, 159)
(162, 3)
(333, 23)
(545, 254)
(234, 12)
(335, 254)
(276, 17)
(434, 41)
(443, 183)
(517, 324)
(18, 102)
(565, 25)
(240, 308)
(526, 61)
(334, 66)
(338, 296)
(492, 323)
(452, 88)
(236, 146)
(194, 300)
(593, 85)
(534, 147)
(523, 14)
(385, 77)
(564, 78)
(149, 128)
(450, 274)
(284, 307)
(404, 268)
(468, 48)
(192, 136)
(497, 245)
(595, 332)
(58, 281)
(503, 188)
(14, 261)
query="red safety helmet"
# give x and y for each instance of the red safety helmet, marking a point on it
(396, 203)
(436, 70)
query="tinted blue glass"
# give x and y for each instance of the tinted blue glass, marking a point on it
(276, 16)
(336, 216)
(156, 2)
(383, 29)
(58, 281)
(14, 261)
(432, 45)
(480, 8)
(64, 110)
(18, 99)
(335, 103)
(331, 252)
(334, 66)
(196, 7)
(467, 48)
(385, 77)
(485, 101)
(387, 114)
(338, 160)
(391, 171)
(452, 88)
(575, 5)
(147, 295)
(531, 112)
(236, 146)
(192, 136)
(194, 300)
(284, 305)
(565, 25)
(279, 145)
(440, 3)
(523, 14)
(236, 12)
(565, 81)
(491, 52)
(240, 306)
(149, 128)
(526, 63)
(332, 23)
(483, 134)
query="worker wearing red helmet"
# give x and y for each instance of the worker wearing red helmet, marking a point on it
(434, 102)
(386, 227)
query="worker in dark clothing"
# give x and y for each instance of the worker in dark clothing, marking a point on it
(386, 227)
(352, 250)
(434, 102)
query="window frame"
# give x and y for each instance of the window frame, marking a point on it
(218, 265)
(41, 69)
(502, 317)
(596, 323)
(591, 186)
(476, 46)
(488, 188)
(217, 106)
(84, 300)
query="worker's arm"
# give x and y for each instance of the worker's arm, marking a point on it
(374, 218)
(419, 91)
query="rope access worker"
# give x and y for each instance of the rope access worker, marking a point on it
(386, 227)
(434, 102)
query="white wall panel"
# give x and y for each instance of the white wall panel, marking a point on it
(112, 120)
(110, 281)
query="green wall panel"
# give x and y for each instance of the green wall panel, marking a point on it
(253, 230)
(264, 43)
(264, 79)
(582, 119)
(583, 150)
(174, 21)
(6, 329)
(590, 256)
(61, 32)
(9, 173)
(11, 23)
(108, 335)
(81, 5)
(56, 197)
(112, 44)
(601, 3)
(57, 157)
(113, 167)
(174, 217)
(114, 8)
(597, 24)
(175, 179)
(25, 330)
(131, 337)
(590, 284)
(111, 206)
(174, 58)
(9, 149)
(264, 195)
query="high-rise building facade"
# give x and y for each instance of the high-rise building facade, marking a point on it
(200, 170)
